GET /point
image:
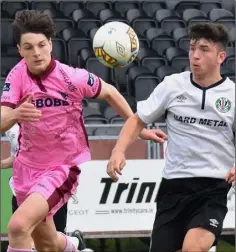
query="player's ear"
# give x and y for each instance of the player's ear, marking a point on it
(50, 44)
(19, 50)
(221, 57)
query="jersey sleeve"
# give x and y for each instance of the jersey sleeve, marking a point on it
(11, 92)
(88, 84)
(156, 104)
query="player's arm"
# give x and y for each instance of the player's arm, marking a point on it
(147, 112)
(8, 118)
(26, 112)
(111, 95)
(7, 163)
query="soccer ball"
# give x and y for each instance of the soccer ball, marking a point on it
(115, 44)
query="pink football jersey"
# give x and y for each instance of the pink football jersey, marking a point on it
(60, 136)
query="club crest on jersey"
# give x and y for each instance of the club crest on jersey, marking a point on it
(223, 104)
(6, 87)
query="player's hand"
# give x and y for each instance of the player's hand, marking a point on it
(230, 176)
(155, 135)
(27, 112)
(116, 164)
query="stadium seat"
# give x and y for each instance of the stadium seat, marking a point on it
(141, 82)
(67, 7)
(230, 58)
(181, 37)
(41, 5)
(163, 71)
(144, 86)
(228, 5)
(97, 104)
(89, 130)
(159, 40)
(11, 7)
(59, 50)
(84, 55)
(177, 58)
(97, 6)
(108, 15)
(62, 24)
(206, 6)
(5, 15)
(233, 78)
(191, 16)
(95, 66)
(91, 114)
(92, 32)
(110, 114)
(85, 20)
(74, 46)
(6, 33)
(130, 100)
(54, 13)
(122, 7)
(150, 8)
(227, 72)
(139, 21)
(9, 51)
(2, 82)
(8, 62)
(107, 131)
(187, 68)
(222, 16)
(180, 6)
(69, 33)
(150, 59)
(169, 20)
(120, 77)
(232, 37)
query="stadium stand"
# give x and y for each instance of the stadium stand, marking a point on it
(162, 29)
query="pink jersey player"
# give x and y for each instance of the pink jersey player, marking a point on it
(45, 98)
(58, 93)
(58, 141)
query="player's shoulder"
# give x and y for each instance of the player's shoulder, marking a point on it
(177, 80)
(17, 72)
(71, 71)
(229, 83)
(76, 75)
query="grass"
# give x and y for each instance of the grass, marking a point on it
(136, 245)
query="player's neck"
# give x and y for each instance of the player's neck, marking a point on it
(206, 81)
(50, 67)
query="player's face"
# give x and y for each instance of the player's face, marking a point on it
(36, 49)
(205, 57)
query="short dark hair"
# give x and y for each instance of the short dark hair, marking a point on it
(32, 21)
(216, 33)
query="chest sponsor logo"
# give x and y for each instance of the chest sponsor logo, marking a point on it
(223, 104)
(200, 121)
(49, 102)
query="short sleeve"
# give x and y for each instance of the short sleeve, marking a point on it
(88, 84)
(11, 91)
(13, 135)
(156, 104)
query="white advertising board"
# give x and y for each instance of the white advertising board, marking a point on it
(101, 205)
